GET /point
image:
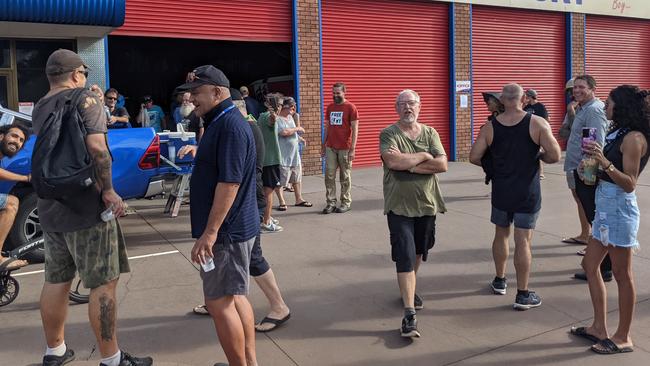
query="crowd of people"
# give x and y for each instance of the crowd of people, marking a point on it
(246, 152)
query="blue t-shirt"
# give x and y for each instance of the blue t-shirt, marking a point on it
(226, 154)
(156, 116)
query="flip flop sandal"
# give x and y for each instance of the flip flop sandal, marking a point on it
(201, 310)
(304, 204)
(288, 189)
(609, 348)
(282, 208)
(581, 252)
(12, 264)
(276, 323)
(582, 332)
(573, 241)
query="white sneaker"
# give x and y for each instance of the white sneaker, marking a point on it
(275, 221)
(270, 228)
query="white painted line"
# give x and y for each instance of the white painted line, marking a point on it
(136, 257)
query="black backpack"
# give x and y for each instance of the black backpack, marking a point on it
(61, 164)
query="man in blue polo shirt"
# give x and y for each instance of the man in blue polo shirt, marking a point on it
(223, 211)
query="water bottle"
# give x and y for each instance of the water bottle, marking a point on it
(107, 215)
(208, 265)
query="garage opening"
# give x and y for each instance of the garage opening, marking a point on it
(140, 66)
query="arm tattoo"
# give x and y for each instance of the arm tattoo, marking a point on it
(103, 163)
(106, 317)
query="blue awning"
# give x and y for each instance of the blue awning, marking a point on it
(107, 13)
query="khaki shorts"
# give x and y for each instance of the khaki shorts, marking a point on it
(98, 253)
(290, 174)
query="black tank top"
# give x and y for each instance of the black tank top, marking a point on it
(515, 183)
(612, 152)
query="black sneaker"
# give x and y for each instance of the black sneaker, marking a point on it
(417, 301)
(607, 276)
(410, 327)
(52, 360)
(129, 360)
(527, 302)
(328, 209)
(342, 209)
(499, 285)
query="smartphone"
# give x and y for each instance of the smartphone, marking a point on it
(588, 135)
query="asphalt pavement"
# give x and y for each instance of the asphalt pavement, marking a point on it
(336, 276)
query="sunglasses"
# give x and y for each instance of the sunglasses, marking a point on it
(85, 72)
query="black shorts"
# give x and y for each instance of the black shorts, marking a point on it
(271, 176)
(410, 237)
(259, 265)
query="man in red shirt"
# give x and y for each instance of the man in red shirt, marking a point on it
(341, 131)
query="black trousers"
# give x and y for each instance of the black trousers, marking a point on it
(587, 197)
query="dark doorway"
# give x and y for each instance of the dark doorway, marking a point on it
(141, 66)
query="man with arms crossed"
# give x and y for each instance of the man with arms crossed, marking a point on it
(412, 154)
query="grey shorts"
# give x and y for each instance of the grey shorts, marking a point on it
(521, 220)
(570, 180)
(231, 272)
(98, 253)
(290, 174)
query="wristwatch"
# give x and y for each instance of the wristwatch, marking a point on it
(610, 168)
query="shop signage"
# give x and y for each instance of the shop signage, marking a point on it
(620, 8)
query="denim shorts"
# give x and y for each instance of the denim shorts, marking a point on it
(617, 216)
(521, 220)
(3, 200)
(570, 179)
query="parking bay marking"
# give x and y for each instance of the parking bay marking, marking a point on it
(135, 257)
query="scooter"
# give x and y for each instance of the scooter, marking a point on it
(9, 286)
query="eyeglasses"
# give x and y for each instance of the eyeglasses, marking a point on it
(85, 72)
(410, 103)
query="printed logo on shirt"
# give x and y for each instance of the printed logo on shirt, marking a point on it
(336, 118)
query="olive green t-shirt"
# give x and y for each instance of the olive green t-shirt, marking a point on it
(270, 134)
(410, 194)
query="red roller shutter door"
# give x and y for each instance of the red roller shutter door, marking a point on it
(380, 47)
(522, 46)
(234, 20)
(618, 50)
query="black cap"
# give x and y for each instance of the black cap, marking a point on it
(62, 61)
(235, 94)
(205, 75)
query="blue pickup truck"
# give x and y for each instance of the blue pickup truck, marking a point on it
(137, 173)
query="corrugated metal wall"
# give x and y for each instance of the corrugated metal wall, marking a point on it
(108, 13)
(617, 52)
(522, 46)
(234, 20)
(380, 47)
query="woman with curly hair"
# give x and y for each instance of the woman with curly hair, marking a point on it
(617, 215)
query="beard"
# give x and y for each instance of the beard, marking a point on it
(409, 118)
(6, 151)
(186, 110)
(338, 100)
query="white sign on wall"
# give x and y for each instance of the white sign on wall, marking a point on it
(463, 86)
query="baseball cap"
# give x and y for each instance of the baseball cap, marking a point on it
(235, 94)
(205, 75)
(569, 84)
(488, 95)
(62, 61)
(531, 93)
